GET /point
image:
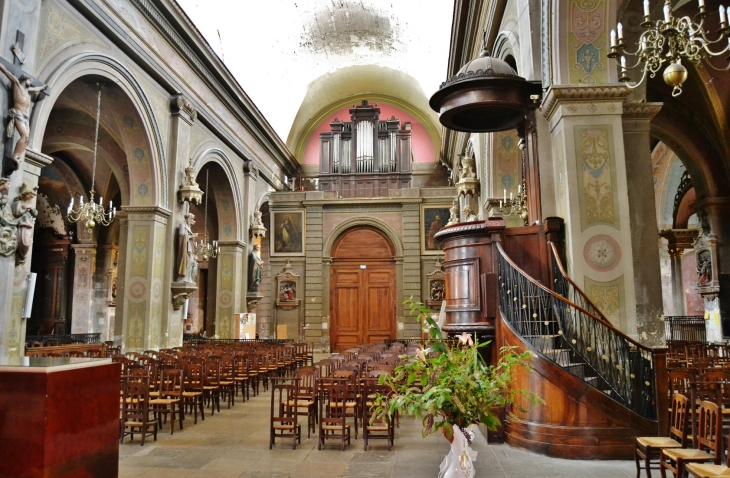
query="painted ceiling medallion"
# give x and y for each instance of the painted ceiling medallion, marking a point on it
(602, 253)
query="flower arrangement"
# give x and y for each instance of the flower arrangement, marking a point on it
(449, 384)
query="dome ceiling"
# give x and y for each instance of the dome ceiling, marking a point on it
(275, 49)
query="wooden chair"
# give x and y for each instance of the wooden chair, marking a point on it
(380, 428)
(352, 404)
(283, 422)
(710, 470)
(135, 411)
(709, 438)
(193, 391)
(212, 385)
(169, 399)
(241, 375)
(333, 419)
(306, 404)
(228, 382)
(649, 449)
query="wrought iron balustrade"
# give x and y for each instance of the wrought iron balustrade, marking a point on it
(685, 328)
(576, 338)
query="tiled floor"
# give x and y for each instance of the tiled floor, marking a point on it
(236, 443)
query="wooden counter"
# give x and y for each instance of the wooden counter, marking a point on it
(59, 417)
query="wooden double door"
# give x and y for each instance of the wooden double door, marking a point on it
(362, 290)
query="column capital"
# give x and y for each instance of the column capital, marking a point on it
(129, 211)
(84, 248)
(637, 116)
(232, 244)
(679, 239)
(583, 101)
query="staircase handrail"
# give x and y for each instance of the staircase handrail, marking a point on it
(596, 312)
(621, 365)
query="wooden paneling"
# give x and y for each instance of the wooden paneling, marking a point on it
(577, 420)
(62, 424)
(362, 289)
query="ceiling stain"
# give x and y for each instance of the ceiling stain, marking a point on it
(347, 27)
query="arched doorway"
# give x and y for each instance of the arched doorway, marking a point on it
(362, 289)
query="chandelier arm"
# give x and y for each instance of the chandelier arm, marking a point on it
(635, 85)
(707, 50)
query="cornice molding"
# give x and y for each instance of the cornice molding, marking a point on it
(37, 159)
(179, 105)
(233, 244)
(130, 210)
(249, 115)
(581, 94)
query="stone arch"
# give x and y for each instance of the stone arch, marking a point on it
(99, 64)
(363, 221)
(207, 154)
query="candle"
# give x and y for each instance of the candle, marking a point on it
(620, 31)
(72, 203)
(701, 3)
(728, 12)
(110, 204)
(101, 200)
(623, 63)
(500, 204)
(505, 195)
(613, 38)
(81, 200)
(519, 188)
(646, 8)
(666, 12)
(510, 195)
(114, 211)
(722, 14)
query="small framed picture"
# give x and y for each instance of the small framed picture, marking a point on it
(287, 233)
(433, 219)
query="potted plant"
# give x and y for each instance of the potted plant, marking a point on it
(452, 389)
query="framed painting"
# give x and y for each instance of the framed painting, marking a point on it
(433, 219)
(287, 233)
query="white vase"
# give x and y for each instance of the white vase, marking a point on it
(458, 463)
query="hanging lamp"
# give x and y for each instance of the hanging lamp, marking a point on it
(91, 213)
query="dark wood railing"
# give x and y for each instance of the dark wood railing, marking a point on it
(550, 322)
(193, 339)
(66, 339)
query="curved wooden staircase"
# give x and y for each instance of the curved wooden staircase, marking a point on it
(599, 385)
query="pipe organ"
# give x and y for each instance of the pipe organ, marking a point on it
(366, 156)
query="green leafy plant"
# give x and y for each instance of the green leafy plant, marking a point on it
(448, 382)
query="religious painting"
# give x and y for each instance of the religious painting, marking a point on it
(287, 284)
(288, 233)
(433, 219)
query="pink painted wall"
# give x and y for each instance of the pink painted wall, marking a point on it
(423, 148)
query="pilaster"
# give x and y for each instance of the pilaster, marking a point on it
(13, 285)
(407, 325)
(228, 293)
(590, 171)
(143, 272)
(316, 282)
(183, 115)
(82, 310)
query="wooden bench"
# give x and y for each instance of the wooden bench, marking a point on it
(86, 350)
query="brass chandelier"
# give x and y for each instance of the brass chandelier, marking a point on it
(517, 205)
(204, 249)
(91, 213)
(670, 39)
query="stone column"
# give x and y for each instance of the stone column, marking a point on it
(142, 272)
(590, 169)
(107, 268)
(642, 214)
(228, 291)
(183, 115)
(677, 241)
(82, 309)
